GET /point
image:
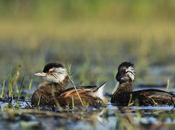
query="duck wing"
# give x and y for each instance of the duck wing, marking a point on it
(92, 90)
(81, 97)
(89, 96)
(153, 97)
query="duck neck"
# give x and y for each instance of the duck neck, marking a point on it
(57, 87)
(61, 85)
(124, 87)
(64, 83)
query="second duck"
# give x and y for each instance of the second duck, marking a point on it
(124, 95)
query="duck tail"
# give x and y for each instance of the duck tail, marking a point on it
(99, 91)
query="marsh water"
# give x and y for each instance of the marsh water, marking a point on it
(17, 114)
(91, 38)
(111, 117)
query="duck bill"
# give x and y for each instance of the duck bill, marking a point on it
(40, 74)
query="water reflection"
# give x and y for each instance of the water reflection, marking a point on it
(111, 117)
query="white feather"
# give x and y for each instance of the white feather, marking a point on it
(58, 76)
(130, 72)
(100, 92)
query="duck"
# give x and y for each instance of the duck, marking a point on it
(53, 91)
(125, 95)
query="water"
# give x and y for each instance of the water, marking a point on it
(18, 115)
(110, 117)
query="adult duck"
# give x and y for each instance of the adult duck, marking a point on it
(124, 95)
(53, 91)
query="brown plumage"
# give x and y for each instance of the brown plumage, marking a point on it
(71, 98)
(50, 89)
(54, 93)
(124, 95)
(153, 97)
(66, 98)
(45, 92)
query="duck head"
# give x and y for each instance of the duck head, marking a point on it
(126, 72)
(53, 72)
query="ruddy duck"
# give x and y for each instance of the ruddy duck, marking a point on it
(125, 96)
(54, 92)
(56, 77)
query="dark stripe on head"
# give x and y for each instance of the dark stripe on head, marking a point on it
(48, 66)
(126, 64)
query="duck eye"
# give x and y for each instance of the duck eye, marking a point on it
(123, 71)
(51, 70)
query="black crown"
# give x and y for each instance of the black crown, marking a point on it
(48, 66)
(126, 64)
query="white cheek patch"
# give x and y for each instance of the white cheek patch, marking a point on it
(61, 73)
(131, 73)
(58, 76)
(50, 78)
(60, 70)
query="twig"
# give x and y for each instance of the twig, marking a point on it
(75, 89)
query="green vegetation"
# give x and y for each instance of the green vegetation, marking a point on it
(67, 10)
(86, 30)
(93, 37)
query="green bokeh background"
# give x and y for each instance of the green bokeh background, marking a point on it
(93, 36)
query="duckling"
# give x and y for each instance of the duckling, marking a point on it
(54, 92)
(124, 95)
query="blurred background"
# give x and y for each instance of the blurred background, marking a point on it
(91, 36)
